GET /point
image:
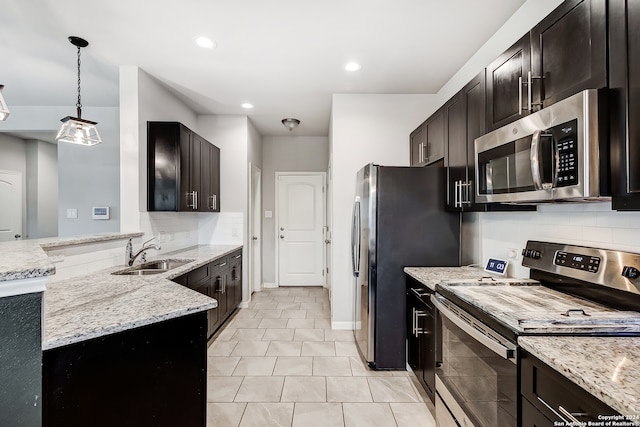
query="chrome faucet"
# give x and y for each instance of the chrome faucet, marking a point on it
(131, 257)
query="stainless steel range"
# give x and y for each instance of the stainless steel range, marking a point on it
(581, 291)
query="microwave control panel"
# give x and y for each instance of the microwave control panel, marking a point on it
(577, 261)
(567, 149)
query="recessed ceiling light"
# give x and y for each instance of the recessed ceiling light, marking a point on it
(352, 66)
(247, 105)
(205, 42)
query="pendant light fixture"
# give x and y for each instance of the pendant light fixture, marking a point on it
(76, 130)
(4, 110)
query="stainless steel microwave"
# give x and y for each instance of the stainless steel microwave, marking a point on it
(558, 153)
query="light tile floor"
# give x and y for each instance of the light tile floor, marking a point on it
(278, 363)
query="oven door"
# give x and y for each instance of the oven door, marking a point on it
(476, 385)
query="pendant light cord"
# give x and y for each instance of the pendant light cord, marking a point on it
(79, 103)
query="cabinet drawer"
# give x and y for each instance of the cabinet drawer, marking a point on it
(220, 263)
(552, 394)
(197, 275)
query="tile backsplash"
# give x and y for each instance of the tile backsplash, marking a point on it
(584, 224)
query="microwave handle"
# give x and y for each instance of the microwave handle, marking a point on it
(535, 160)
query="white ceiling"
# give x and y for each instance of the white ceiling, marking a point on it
(286, 57)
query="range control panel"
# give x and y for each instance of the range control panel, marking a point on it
(577, 261)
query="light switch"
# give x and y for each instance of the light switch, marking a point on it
(72, 213)
(268, 214)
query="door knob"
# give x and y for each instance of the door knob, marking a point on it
(327, 241)
(282, 236)
(254, 238)
(281, 229)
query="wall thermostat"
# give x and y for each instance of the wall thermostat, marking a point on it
(100, 212)
(496, 266)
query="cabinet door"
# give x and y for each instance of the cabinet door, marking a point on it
(163, 159)
(417, 145)
(624, 66)
(568, 51)
(474, 102)
(214, 179)
(456, 161)
(506, 95)
(236, 276)
(426, 331)
(195, 177)
(205, 175)
(186, 198)
(435, 137)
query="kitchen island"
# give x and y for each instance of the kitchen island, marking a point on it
(127, 349)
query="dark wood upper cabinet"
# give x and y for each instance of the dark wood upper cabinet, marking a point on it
(569, 51)
(427, 141)
(183, 169)
(465, 118)
(505, 85)
(624, 66)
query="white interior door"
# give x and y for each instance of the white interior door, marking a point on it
(300, 224)
(10, 205)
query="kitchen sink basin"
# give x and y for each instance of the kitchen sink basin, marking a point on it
(153, 267)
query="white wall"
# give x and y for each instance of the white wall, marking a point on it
(364, 128)
(87, 176)
(285, 154)
(142, 99)
(239, 144)
(42, 189)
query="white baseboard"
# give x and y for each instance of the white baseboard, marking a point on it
(342, 325)
(269, 286)
(244, 304)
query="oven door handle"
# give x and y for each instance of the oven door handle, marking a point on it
(507, 353)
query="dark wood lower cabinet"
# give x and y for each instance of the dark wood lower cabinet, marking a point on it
(155, 375)
(545, 396)
(221, 279)
(421, 336)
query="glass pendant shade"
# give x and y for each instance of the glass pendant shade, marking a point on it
(78, 131)
(4, 110)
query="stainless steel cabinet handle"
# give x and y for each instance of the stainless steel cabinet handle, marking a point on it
(238, 256)
(520, 95)
(414, 322)
(419, 294)
(529, 92)
(194, 200)
(421, 157)
(222, 264)
(419, 314)
(572, 415)
(215, 202)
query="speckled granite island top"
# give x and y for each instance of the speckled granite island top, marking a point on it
(606, 367)
(26, 259)
(100, 304)
(431, 276)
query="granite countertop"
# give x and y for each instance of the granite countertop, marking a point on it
(606, 367)
(26, 259)
(432, 276)
(100, 303)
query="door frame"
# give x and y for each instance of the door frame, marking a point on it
(254, 263)
(22, 203)
(277, 220)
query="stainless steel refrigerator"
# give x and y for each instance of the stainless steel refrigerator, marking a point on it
(399, 220)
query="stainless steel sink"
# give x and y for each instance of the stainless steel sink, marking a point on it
(153, 267)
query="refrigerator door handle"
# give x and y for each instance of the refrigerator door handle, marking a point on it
(355, 220)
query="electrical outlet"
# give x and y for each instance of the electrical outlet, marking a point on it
(512, 253)
(72, 213)
(162, 237)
